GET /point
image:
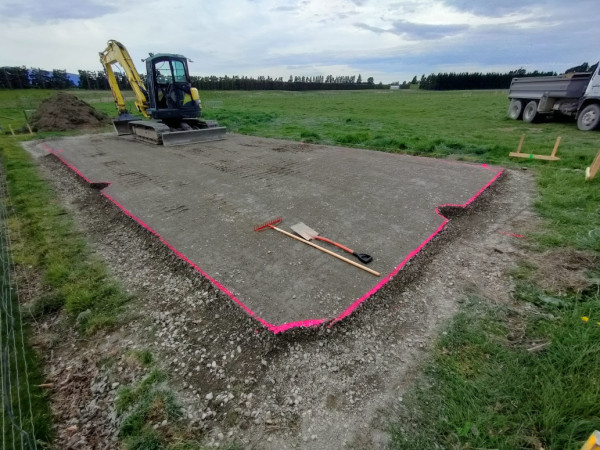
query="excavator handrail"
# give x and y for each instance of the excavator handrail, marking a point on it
(117, 53)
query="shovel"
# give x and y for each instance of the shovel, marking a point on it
(308, 233)
(271, 224)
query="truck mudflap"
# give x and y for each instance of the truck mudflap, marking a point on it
(171, 138)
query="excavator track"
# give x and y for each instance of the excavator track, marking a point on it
(161, 134)
(148, 131)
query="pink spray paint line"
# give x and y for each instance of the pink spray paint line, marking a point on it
(310, 323)
(413, 253)
(271, 327)
(508, 233)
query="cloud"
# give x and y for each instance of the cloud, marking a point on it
(364, 26)
(389, 39)
(285, 8)
(55, 10)
(416, 31)
(493, 8)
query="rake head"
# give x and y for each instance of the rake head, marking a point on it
(268, 224)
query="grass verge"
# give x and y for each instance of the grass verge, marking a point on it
(571, 207)
(43, 243)
(45, 239)
(150, 415)
(485, 389)
(26, 417)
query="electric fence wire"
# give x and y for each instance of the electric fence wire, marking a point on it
(12, 380)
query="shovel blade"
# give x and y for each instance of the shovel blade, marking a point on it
(363, 257)
(304, 231)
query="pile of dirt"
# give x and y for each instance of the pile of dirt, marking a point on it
(64, 112)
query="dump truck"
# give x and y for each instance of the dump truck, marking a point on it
(573, 94)
(167, 99)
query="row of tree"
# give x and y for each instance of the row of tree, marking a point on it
(298, 83)
(99, 81)
(474, 80)
(23, 78)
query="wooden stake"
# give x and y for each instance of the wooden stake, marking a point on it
(591, 171)
(520, 143)
(551, 157)
(556, 147)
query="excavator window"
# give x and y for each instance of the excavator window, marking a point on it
(164, 75)
(163, 72)
(171, 83)
(179, 72)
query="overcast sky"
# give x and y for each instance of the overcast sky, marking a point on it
(390, 40)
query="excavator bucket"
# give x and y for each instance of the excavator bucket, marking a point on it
(121, 123)
(122, 127)
(192, 136)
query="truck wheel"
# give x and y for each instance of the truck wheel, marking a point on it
(530, 112)
(589, 117)
(515, 109)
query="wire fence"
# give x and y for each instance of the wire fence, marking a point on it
(18, 429)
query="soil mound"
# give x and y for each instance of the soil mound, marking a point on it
(64, 112)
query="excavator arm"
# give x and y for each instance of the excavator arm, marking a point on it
(116, 53)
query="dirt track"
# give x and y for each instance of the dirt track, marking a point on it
(307, 389)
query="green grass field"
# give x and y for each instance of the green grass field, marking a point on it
(478, 390)
(469, 125)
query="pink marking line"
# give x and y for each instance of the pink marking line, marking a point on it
(297, 324)
(271, 327)
(69, 165)
(412, 254)
(508, 233)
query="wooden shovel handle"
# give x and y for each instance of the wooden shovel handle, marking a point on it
(366, 269)
(338, 245)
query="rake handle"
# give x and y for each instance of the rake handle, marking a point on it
(366, 269)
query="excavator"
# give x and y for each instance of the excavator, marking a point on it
(167, 99)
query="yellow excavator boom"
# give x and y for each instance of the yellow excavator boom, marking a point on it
(117, 53)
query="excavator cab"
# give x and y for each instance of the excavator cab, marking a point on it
(171, 96)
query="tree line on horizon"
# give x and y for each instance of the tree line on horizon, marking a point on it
(294, 83)
(469, 80)
(35, 78)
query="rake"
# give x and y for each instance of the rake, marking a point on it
(271, 224)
